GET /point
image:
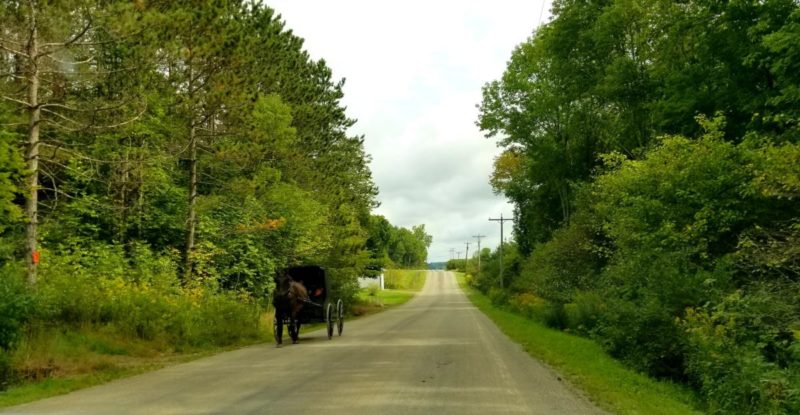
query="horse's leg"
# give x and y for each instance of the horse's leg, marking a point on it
(294, 331)
(278, 327)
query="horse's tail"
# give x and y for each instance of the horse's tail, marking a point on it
(301, 291)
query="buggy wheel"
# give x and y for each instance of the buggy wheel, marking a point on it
(329, 319)
(339, 316)
(277, 329)
(294, 331)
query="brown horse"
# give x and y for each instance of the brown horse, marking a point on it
(290, 295)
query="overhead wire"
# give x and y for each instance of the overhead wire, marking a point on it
(541, 13)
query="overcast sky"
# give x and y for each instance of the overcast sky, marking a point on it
(414, 73)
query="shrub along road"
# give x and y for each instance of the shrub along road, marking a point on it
(435, 354)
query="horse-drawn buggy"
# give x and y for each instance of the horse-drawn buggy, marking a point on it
(303, 296)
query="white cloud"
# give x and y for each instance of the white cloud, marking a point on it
(414, 73)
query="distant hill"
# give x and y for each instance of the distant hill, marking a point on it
(436, 265)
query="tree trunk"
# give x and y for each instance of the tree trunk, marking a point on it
(122, 235)
(190, 223)
(32, 157)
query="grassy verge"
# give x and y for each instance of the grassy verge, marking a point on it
(57, 360)
(60, 359)
(35, 390)
(371, 301)
(401, 285)
(584, 363)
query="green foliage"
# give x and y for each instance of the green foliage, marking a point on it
(16, 307)
(684, 195)
(183, 118)
(673, 218)
(226, 88)
(783, 57)
(568, 263)
(744, 354)
(650, 149)
(409, 248)
(649, 265)
(489, 276)
(496, 296)
(614, 76)
(456, 264)
(380, 235)
(529, 305)
(142, 300)
(396, 246)
(10, 169)
(372, 290)
(584, 312)
(585, 364)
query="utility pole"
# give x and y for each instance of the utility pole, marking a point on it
(478, 237)
(466, 258)
(501, 220)
(452, 253)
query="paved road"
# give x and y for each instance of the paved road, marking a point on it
(437, 354)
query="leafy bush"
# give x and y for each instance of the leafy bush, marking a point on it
(670, 218)
(557, 269)
(546, 312)
(11, 165)
(583, 314)
(645, 336)
(497, 296)
(743, 355)
(688, 245)
(555, 316)
(344, 284)
(372, 289)
(490, 268)
(528, 305)
(15, 310)
(469, 280)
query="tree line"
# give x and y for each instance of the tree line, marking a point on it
(176, 151)
(202, 128)
(651, 151)
(397, 247)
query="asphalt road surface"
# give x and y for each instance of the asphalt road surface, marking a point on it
(437, 354)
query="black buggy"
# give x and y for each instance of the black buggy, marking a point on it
(319, 308)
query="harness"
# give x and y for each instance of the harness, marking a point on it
(307, 301)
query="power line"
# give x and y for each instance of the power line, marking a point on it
(541, 12)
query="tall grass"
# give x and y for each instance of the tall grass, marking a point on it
(157, 308)
(403, 279)
(98, 311)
